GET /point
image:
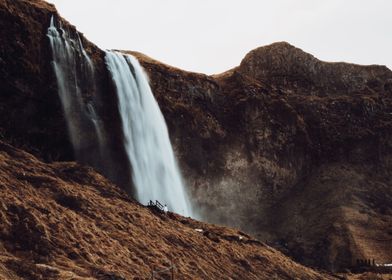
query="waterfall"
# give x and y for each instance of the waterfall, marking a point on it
(75, 74)
(154, 169)
(146, 139)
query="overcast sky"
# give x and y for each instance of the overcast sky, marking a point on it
(212, 36)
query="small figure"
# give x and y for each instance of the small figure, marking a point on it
(165, 209)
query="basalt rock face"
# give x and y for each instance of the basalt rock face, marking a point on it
(30, 108)
(289, 148)
(292, 149)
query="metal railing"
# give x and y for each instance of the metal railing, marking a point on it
(157, 205)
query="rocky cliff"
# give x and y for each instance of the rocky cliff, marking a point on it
(30, 108)
(291, 149)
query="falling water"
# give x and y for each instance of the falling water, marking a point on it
(74, 72)
(154, 168)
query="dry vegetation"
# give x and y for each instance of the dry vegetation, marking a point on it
(65, 221)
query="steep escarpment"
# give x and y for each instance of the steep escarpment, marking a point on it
(27, 84)
(291, 149)
(30, 108)
(64, 220)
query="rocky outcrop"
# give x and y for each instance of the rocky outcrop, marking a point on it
(291, 70)
(289, 148)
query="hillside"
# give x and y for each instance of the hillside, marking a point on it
(63, 221)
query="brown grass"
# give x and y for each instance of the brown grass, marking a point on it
(65, 221)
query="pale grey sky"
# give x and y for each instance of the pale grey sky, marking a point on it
(212, 36)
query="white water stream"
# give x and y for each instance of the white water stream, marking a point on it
(146, 139)
(73, 67)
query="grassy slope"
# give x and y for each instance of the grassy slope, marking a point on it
(64, 220)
